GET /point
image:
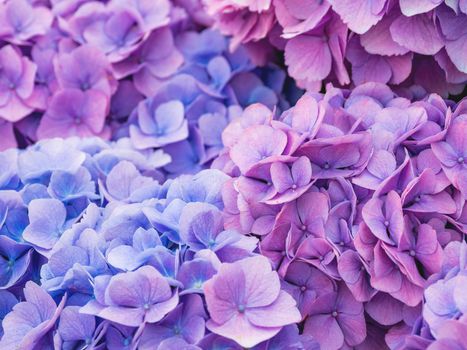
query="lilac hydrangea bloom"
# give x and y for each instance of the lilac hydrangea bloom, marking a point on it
(166, 122)
(75, 113)
(20, 21)
(17, 81)
(241, 299)
(132, 298)
(30, 322)
(46, 221)
(336, 319)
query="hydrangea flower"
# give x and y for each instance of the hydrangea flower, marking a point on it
(246, 304)
(159, 126)
(21, 21)
(336, 320)
(73, 112)
(132, 298)
(17, 81)
(30, 322)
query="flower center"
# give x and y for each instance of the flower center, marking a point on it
(294, 187)
(386, 223)
(326, 165)
(417, 199)
(85, 85)
(303, 227)
(303, 288)
(241, 308)
(334, 314)
(460, 160)
(146, 306)
(412, 253)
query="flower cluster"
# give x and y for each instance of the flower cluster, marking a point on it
(357, 197)
(80, 68)
(408, 43)
(187, 114)
(45, 189)
(163, 186)
(97, 253)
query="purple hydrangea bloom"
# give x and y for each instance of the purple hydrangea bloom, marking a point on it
(47, 219)
(132, 298)
(21, 21)
(17, 81)
(131, 260)
(30, 322)
(84, 68)
(336, 319)
(73, 112)
(117, 31)
(166, 122)
(241, 299)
